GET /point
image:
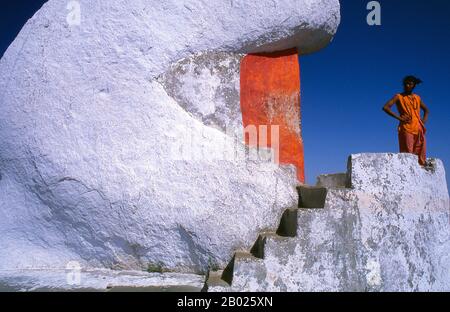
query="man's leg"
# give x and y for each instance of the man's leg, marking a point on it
(406, 142)
(420, 148)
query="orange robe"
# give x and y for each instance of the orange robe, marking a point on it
(411, 135)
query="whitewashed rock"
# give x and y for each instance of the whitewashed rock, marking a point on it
(207, 85)
(87, 153)
(390, 232)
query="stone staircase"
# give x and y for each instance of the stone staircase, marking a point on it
(310, 198)
(381, 226)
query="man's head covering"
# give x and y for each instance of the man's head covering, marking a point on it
(413, 79)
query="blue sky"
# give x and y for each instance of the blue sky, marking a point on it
(345, 85)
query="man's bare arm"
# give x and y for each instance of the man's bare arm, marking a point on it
(387, 108)
(425, 111)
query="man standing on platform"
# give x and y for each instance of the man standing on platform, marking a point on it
(411, 130)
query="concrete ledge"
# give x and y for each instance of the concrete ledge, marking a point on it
(100, 280)
(336, 180)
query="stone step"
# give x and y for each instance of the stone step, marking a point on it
(215, 280)
(311, 197)
(287, 228)
(245, 264)
(258, 248)
(336, 180)
(239, 259)
(288, 223)
(305, 226)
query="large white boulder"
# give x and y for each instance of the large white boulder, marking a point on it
(89, 112)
